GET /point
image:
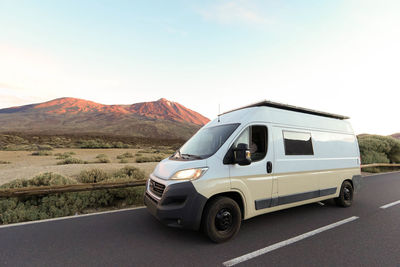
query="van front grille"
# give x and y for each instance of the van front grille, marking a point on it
(156, 188)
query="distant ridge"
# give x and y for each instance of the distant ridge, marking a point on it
(68, 115)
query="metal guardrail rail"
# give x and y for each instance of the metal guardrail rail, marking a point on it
(47, 190)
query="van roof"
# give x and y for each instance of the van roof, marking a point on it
(267, 103)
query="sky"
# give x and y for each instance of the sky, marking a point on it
(336, 56)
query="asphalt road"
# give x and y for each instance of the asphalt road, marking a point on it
(135, 238)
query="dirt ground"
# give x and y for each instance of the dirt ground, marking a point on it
(24, 165)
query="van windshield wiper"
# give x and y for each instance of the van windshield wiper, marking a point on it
(190, 156)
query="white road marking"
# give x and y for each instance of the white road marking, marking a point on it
(287, 242)
(390, 204)
(68, 217)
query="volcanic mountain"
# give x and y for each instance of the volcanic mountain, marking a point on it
(157, 119)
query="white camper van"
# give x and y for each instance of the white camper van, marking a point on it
(254, 160)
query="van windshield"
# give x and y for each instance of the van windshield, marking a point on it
(205, 142)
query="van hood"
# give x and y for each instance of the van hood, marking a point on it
(166, 168)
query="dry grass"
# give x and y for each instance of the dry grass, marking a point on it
(24, 166)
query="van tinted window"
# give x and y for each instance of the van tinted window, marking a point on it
(297, 143)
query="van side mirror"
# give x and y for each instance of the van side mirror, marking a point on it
(242, 154)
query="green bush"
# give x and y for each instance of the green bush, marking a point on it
(21, 209)
(155, 158)
(41, 153)
(379, 149)
(71, 161)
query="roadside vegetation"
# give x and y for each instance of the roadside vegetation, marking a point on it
(4, 162)
(36, 142)
(379, 149)
(64, 155)
(102, 158)
(124, 158)
(71, 160)
(21, 209)
(41, 153)
(152, 158)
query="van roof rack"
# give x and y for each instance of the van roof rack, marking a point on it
(267, 103)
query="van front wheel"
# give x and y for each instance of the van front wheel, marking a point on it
(345, 198)
(221, 219)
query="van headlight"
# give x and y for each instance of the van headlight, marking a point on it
(189, 174)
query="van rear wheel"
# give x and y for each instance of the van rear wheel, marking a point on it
(345, 198)
(221, 219)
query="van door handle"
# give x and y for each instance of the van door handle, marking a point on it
(269, 167)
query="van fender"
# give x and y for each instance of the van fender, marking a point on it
(238, 185)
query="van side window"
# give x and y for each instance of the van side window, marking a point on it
(297, 143)
(256, 138)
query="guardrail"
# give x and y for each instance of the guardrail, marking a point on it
(47, 190)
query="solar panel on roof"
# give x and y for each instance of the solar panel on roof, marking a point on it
(267, 103)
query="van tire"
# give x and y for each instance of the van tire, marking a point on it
(345, 198)
(221, 219)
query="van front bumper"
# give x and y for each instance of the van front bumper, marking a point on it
(180, 206)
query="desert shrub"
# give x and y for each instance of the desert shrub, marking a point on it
(138, 154)
(153, 158)
(96, 143)
(44, 147)
(123, 161)
(97, 175)
(44, 179)
(41, 153)
(64, 155)
(92, 176)
(20, 209)
(4, 162)
(125, 155)
(71, 161)
(99, 143)
(13, 147)
(147, 151)
(130, 173)
(102, 158)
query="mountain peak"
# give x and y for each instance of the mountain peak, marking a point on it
(161, 109)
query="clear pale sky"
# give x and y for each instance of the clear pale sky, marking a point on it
(336, 56)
